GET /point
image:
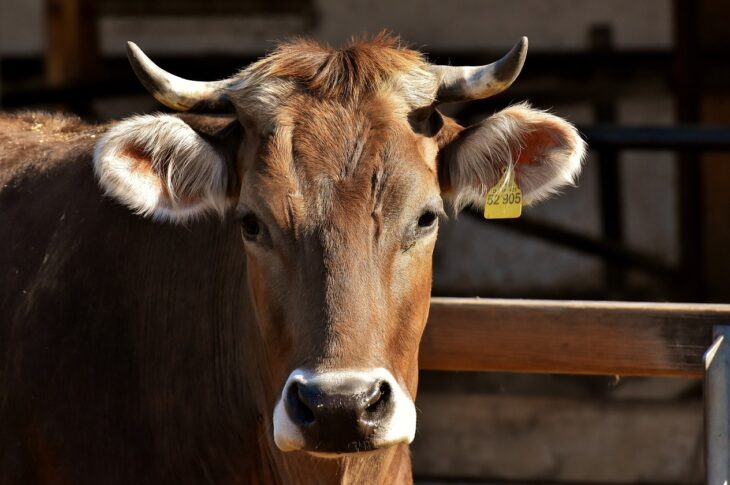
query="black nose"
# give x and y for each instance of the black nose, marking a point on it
(341, 417)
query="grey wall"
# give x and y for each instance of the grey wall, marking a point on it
(433, 24)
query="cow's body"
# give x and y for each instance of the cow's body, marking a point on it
(279, 343)
(129, 355)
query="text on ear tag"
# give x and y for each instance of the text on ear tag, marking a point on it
(504, 200)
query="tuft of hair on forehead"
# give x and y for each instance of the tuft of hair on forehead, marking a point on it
(362, 66)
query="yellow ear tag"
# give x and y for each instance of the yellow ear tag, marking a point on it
(504, 200)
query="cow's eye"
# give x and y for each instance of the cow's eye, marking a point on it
(427, 219)
(424, 226)
(250, 226)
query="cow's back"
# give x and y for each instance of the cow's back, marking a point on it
(122, 340)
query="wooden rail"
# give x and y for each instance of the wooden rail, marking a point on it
(569, 337)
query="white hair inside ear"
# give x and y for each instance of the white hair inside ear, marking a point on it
(159, 167)
(544, 152)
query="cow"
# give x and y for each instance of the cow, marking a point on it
(235, 292)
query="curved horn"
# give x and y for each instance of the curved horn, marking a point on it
(173, 91)
(462, 83)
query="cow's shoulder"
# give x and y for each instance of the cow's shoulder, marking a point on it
(34, 142)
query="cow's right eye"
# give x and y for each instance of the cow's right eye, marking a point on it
(250, 226)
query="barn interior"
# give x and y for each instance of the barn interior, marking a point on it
(648, 84)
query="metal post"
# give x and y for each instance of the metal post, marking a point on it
(717, 407)
(609, 166)
(688, 74)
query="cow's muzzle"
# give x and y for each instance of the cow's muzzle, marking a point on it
(343, 412)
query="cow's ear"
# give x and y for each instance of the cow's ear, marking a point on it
(170, 167)
(546, 153)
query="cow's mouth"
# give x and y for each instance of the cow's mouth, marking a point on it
(337, 412)
(320, 451)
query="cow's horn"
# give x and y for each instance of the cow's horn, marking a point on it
(462, 83)
(173, 91)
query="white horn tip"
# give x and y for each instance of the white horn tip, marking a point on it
(523, 44)
(134, 52)
(131, 46)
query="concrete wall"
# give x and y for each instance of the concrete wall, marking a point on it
(433, 24)
(554, 439)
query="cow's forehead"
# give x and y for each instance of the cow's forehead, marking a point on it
(341, 140)
(325, 157)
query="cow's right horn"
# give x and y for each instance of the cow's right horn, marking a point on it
(175, 92)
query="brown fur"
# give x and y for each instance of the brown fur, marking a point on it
(347, 75)
(360, 67)
(133, 351)
(37, 141)
(328, 197)
(181, 381)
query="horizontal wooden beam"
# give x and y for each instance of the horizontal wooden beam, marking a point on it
(569, 337)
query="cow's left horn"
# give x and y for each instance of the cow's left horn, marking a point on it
(462, 83)
(173, 91)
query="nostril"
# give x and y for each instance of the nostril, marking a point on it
(297, 407)
(379, 399)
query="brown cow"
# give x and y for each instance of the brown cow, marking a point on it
(137, 350)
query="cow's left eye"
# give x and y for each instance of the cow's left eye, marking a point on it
(427, 219)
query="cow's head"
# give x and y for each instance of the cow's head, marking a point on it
(337, 164)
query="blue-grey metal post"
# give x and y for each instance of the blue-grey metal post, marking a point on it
(717, 407)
